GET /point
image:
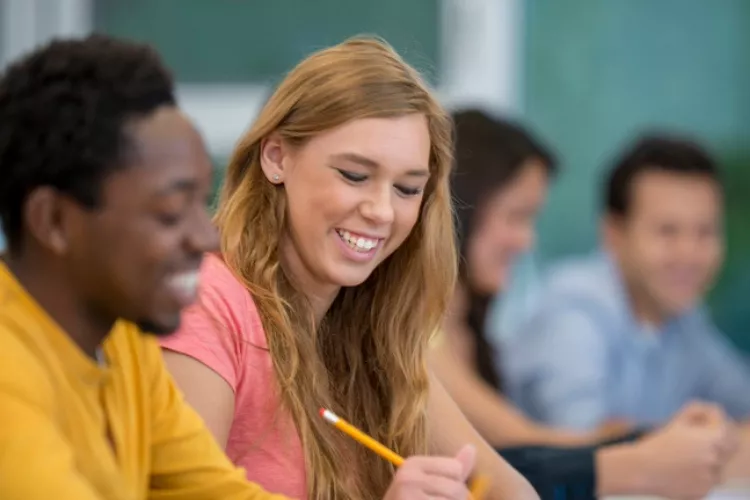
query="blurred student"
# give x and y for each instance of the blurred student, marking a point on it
(500, 182)
(621, 334)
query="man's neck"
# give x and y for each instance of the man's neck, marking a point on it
(645, 311)
(50, 289)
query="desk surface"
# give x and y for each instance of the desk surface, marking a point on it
(735, 490)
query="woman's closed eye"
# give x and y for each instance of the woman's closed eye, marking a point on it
(352, 176)
(355, 178)
(409, 191)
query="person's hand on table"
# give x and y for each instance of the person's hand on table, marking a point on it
(709, 415)
(686, 457)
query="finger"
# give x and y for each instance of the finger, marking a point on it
(442, 487)
(715, 467)
(702, 413)
(723, 440)
(449, 468)
(714, 416)
(467, 457)
(728, 446)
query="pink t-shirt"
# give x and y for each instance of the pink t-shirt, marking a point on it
(223, 331)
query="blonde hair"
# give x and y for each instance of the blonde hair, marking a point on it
(366, 360)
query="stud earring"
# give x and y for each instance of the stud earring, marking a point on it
(276, 177)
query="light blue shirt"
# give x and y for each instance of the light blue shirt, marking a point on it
(518, 299)
(580, 357)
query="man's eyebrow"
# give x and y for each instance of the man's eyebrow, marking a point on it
(176, 186)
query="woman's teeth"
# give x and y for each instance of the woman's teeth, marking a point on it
(358, 243)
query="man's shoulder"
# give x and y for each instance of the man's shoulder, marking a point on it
(23, 371)
(22, 332)
(698, 330)
(585, 283)
(577, 273)
(577, 291)
(133, 348)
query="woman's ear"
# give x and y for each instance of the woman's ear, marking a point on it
(273, 151)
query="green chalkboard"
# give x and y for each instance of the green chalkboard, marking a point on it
(729, 300)
(258, 41)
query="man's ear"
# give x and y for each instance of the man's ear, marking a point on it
(612, 229)
(43, 215)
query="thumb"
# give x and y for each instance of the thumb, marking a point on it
(701, 413)
(467, 456)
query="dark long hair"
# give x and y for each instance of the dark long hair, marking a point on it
(490, 153)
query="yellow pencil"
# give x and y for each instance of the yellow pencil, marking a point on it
(479, 485)
(361, 437)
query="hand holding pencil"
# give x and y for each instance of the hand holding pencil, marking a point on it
(433, 477)
(420, 476)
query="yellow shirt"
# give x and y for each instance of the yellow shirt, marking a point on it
(59, 409)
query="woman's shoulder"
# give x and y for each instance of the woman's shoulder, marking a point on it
(224, 306)
(222, 329)
(215, 274)
(217, 278)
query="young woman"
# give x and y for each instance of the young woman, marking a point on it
(337, 263)
(500, 182)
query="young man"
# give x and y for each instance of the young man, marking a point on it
(621, 335)
(102, 190)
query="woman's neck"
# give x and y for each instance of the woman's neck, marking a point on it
(320, 304)
(320, 295)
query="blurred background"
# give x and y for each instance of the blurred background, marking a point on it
(586, 75)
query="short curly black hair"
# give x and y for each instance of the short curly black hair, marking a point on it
(63, 115)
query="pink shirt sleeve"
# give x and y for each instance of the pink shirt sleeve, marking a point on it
(221, 326)
(224, 332)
